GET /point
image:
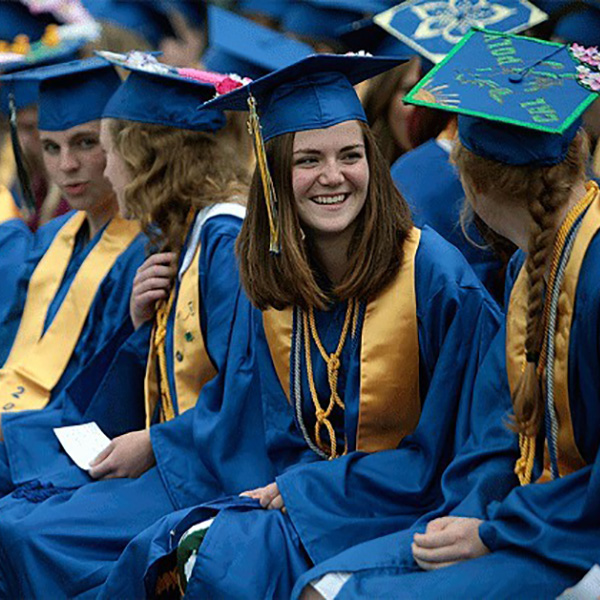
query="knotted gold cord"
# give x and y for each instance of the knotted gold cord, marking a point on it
(333, 365)
(527, 443)
(255, 130)
(163, 311)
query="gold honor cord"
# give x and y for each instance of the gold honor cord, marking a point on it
(255, 130)
(527, 444)
(333, 366)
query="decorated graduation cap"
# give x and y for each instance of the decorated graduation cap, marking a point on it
(161, 94)
(17, 19)
(321, 19)
(314, 93)
(519, 99)
(433, 28)
(239, 45)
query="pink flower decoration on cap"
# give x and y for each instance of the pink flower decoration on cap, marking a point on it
(222, 83)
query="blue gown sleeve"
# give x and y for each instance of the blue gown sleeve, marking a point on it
(204, 452)
(559, 520)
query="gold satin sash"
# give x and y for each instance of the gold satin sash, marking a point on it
(192, 365)
(37, 360)
(390, 405)
(569, 457)
(8, 207)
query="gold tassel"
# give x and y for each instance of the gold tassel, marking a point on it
(255, 130)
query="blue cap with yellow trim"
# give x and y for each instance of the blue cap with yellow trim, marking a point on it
(239, 45)
(17, 19)
(71, 93)
(433, 28)
(519, 98)
(313, 93)
(158, 93)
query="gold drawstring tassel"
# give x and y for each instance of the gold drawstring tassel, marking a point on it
(254, 128)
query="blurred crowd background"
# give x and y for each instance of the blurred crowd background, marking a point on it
(250, 38)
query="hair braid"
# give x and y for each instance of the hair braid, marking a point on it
(545, 190)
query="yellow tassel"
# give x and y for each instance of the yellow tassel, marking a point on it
(524, 466)
(254, 128)
(20, 44)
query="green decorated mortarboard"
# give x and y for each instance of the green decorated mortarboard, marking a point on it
(519, 98)
(433, 28)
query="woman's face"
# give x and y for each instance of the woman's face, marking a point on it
(330, 178)
(75, 162)
(400, 114)
(116, 170)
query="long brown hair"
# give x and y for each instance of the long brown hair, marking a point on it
(173, 171)
(544, 190)
(291, 278)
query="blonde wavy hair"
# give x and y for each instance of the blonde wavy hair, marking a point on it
(173, 171)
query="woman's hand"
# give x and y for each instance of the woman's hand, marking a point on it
(268, 496)
(128, 455)
(152, 282)
(446, 541)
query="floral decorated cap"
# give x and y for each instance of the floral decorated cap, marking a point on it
(519, 98)
(432, 28)
(313, 93)
(239, 45)
(158, 93)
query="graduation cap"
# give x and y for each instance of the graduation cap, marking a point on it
(17, 19)
(71, 93)
(433, 28)
(580, 23)
(271, 8)
(239, 45)
(321, 19)
(368, 36)
(147, 18)
(519, 99)
(161, 94)
(314, 93)
(40, 55)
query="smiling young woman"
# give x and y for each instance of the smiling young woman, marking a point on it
(369, 331)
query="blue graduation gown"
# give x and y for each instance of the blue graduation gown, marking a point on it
(29, 441)
(543, 537)
(15, 241)
(432, 188)
(81, 533)
(336, 504)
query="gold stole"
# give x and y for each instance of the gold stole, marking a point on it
(8, 207)
(37, 360)
(390, 405)
(192, 365)
(569, 457)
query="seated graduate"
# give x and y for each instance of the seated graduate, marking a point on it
(370, 336)
(71, 297)
(523, 164)
(170, 170)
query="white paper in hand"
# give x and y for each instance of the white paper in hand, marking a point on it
(82, 442)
